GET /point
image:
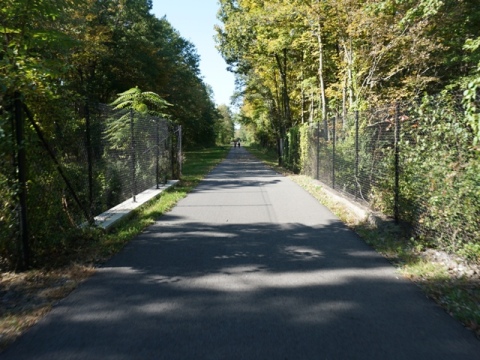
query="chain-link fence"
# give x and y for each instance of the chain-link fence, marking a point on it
(414, 162)
(58, 176)
(136, 151)
(351, 162)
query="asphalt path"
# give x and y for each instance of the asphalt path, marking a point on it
(248, 266)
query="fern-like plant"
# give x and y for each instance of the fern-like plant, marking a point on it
(147, 102)
(143, 102)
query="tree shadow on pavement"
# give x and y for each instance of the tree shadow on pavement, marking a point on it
(196, 291)
(278, 287)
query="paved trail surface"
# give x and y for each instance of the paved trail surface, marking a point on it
(248, 266)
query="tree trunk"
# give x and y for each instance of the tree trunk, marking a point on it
(323, 102)
(349, 60)
(303, 98)
(282, 66)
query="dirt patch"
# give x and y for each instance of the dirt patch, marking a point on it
(26, 297)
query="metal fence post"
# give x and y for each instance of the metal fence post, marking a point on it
(22, 181)
(397, 164)
(171, 134)
(317, 174)
(157, 152)
(89, 158)
(334, 140)
(357, 152)
(134, 178)
(179, 151)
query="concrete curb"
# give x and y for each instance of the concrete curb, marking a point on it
(109, 218)
(361, 212)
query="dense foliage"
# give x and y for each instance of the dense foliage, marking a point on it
(225, 126)
(302, 64)
(61, 58)
(296, 61)
(440, 176)
(58, 53)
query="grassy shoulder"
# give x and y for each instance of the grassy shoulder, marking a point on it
(448, 281)
(26, 297)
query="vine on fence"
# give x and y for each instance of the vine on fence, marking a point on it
(416, 162)
(441, 182)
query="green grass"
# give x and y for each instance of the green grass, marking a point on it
(268, 156)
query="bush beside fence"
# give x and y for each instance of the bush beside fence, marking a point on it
(414, 162)
(75, 171)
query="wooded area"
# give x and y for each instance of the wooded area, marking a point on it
(314, 64)
(59, 54)
(296, 61)
(59, 61)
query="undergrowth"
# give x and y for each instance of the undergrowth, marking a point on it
(27, 296)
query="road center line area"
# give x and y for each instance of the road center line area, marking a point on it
(247, 266)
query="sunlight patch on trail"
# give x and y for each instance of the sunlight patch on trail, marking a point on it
(253, 278)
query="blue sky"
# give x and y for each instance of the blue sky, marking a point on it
(194, 19)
